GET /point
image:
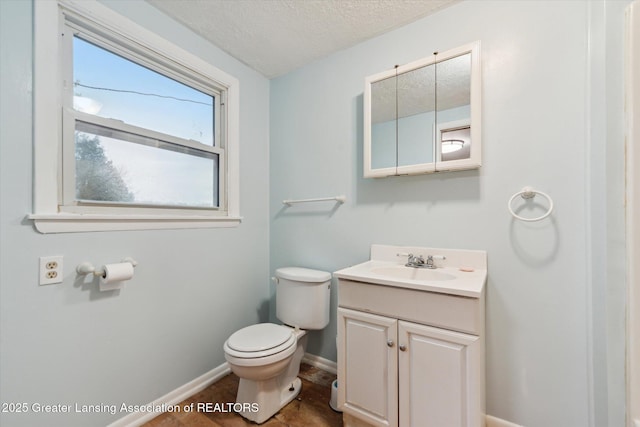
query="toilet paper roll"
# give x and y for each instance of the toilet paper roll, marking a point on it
(114, 275)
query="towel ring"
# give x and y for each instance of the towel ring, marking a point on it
(530, 193)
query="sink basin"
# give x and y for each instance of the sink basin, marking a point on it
(459, 272)
(410, 273)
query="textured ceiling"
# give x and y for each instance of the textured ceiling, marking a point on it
(278, 36)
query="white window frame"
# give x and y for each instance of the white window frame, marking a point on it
(52, 214)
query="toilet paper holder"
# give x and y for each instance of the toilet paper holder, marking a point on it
(88, 268)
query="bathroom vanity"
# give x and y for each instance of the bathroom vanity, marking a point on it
(411, 339)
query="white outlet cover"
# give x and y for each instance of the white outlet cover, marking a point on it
(51, 271)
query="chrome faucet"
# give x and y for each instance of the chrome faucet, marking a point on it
(415, 261)
(419, 261)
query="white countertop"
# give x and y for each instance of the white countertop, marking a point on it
(464, 283)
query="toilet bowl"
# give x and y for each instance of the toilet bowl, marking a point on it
(268, 376)
(266, 356)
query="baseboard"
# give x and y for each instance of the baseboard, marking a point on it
(320, 363)
(174, 397)
(497, 422)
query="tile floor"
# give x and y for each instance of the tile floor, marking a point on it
(309, 409)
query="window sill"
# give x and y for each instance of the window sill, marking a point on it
(79, 223)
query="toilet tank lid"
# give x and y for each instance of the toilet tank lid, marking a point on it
(303, 274)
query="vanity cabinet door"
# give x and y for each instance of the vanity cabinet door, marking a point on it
(438, 378)
(367, 367)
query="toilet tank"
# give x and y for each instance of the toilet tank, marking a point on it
(302, 297)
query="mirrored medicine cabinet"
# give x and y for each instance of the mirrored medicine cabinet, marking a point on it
(424, 116)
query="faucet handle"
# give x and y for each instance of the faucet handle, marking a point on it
(410, 257)
(431, 260)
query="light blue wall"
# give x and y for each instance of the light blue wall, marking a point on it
(543, 322)
(555, 297)
(68, 343)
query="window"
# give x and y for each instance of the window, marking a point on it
(139, 133)
(139, 137)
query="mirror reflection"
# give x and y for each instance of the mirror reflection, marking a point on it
(383, 123)
(454, 108)
(416, 116)
(455, 144)
(424, 116)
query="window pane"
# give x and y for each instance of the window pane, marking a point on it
(111, 86)
(113, 166)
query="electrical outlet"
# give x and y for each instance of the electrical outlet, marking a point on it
(51, 270)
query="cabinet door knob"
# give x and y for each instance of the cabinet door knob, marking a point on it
(402, 347)
(389, 343)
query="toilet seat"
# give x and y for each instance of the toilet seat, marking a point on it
(260, 340)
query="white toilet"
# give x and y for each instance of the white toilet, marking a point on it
(267, 356)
